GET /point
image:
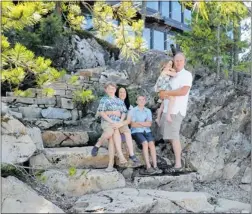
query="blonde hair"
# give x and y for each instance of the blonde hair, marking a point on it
(110, 84)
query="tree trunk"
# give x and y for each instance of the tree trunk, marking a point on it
(58, 8)
(218, 53)
(237, 35)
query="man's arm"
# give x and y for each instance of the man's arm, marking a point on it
(178, 92)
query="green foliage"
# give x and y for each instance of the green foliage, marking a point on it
(36, 24)
(23, 14)
(50, 29)
(128, 34)
(72, 171)
(20, 93)
(9, 170)
(201, 45)
(42, 178)
(83, 96)
(19, 61)
(48, 92)
(132, 93)
(73, 80)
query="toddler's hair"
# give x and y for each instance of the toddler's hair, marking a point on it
(162, 68)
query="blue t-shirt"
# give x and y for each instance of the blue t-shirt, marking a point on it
(138, 115)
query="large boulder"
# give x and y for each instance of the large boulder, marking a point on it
(61, 139)
(169, 183)
(83, 53)
(129, 200)
(35, 134)
(83, 181)
(18, 197)
(216, 128)
(17, 145)
(66, 157)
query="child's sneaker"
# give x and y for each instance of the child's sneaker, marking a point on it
(149, 171)
(135, 160)
(157, 170)
(94, 151)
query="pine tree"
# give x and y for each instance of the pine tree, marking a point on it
(20, 63)
(207, 43)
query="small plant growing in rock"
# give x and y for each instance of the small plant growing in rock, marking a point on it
(72, 171)
(73, 80)
(48, 92)
(20, 93)
(81, 98)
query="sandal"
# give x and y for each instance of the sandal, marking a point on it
(123, 163)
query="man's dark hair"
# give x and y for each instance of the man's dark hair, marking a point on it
(126, 101)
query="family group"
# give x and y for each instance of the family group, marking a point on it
(121, 122)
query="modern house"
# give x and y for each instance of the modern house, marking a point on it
(163, 20)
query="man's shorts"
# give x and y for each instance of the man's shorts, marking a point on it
(142, 137)
(170, 130)
(106, 127)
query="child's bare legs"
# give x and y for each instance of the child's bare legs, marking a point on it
(129, 142)
(118, 145)
(146, 154)
(170, 107)
(105, 135)
(111, 150)
(159, 112)
(153, 153)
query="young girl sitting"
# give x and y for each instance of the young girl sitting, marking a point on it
(163, 83)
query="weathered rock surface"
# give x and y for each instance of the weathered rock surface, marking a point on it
(84, 53)
(56, 113)
(84, 181)
(35, 135)
(61, 139)
(216, 128)
(30, 112)
(169, 183)
(17, 146)
(65, 157)
(228, 206)
(130, 200)
(43, 123)
(18, 197)
(246, 179)
(4, 108)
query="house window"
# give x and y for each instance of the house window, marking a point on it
(88, 24)
(147, 37)
(165, 8)
(110, 38)
(169, 41)
(153, 5)
(187, 16)
(158, 41)
(176, 11)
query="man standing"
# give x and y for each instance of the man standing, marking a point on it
(181, 85)
(140, 119)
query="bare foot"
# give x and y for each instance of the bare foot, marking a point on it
(158, 122)
(168, 117)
